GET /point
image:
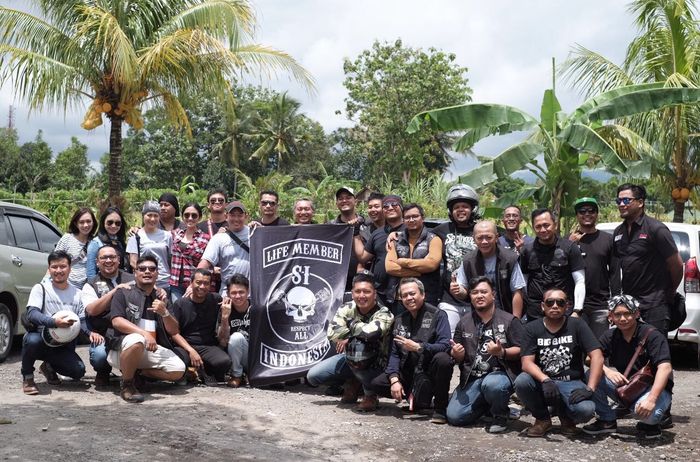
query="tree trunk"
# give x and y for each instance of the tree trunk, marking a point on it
(115, 156)
(678, 211)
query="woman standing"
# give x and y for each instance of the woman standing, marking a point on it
(111, 231)
(187, 249)
(80, 231)
(151, 240)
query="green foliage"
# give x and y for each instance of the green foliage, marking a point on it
(71, 167)
(30, 169)
(386, 86)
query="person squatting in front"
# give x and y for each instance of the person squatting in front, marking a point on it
(552, 362)
(138, 340)
(486, 348)
(234, 327)
(619, 346)
(419, 366)
(360, 331)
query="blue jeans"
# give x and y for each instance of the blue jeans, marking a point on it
(470, 402)
(238, 352)
(608, 389)
(63, 359)
(530, 393)
(330, 371)
(98, 359)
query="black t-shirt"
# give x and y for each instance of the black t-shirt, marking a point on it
(484, 363)
(119, 307)
(601, 269)
(642, 254)
(376, 245)
(279, 221)
(210, 227)
(618, 352)
(198, 320)
(560, 354)
(240, 322)
(456, 242)
(549, 266)
(352, 266)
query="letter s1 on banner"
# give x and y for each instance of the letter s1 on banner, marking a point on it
(298, 277)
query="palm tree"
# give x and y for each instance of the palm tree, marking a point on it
(127, 54)
(665, 51)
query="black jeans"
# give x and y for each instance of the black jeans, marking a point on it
(216, 361)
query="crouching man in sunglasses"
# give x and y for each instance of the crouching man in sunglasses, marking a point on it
(552, 362)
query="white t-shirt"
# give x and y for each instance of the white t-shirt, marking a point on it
(224, 252)
(78, 254)
(157, 244)
(57, 300)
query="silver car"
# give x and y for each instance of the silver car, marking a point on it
(26, 238)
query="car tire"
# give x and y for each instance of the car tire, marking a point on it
(7, 332)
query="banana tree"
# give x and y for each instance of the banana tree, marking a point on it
(558, 146)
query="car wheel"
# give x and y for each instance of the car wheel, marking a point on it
(7, 332)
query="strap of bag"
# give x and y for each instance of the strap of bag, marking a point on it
(637, 352)
(238, 241)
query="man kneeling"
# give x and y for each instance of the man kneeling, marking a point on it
(487, 348)
(138, 339)
(619, 346)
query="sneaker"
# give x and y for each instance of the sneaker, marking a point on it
(234, 382)
(439, 418)
(568, 427)
(129, 393)
(539, 429)
(649, 432)
(351, 391)
(600, 427)
(102, 379)
(29, 387)
(50, 374)
(368, 403)
(498, 425)
(666, 421)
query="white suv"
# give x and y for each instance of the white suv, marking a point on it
(687, 238)
(26, 238)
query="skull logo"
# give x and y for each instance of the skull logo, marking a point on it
(300, 302)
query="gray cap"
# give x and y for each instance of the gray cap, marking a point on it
(346, 189)
(150, 206)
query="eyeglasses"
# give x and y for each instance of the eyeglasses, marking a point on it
(190, 215)
(217, 200)
(412, 218)
(625, 314)
(268, 203)
(550, 302)
(586, 211)
(147, 269)
(113, 223)
(389, 205)
(108, 257)
(625, 200)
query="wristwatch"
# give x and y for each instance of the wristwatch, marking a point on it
(420, 348)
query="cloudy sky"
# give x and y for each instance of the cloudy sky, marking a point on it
(507, 46)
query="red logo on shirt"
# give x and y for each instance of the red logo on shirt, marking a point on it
(643, 236)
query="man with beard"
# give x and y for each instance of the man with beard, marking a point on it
(550, 261)
(486, 347)
(512, 238)
(457, 238)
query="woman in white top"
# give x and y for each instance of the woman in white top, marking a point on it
(151, 240)
(81, 230)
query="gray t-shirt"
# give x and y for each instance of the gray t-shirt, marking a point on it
(57, 300)
(224, 252)
(157, 244)
(78, 254)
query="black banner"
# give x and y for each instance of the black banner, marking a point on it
(297, 282)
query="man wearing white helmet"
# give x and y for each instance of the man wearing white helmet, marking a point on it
(457, 236)
(45, 300)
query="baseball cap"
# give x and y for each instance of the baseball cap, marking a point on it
(347, 189)
(235, 205)
(585, 200)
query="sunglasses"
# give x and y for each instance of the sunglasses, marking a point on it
(217, 200)
(586, 211)
(113, 223)
(190, 215)
(389, 205)
(560, 302)
(625, 200)
(270, 203)
(147, 269)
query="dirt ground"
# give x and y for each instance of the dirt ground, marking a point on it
(76, 422)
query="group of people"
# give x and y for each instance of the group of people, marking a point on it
(521, 317)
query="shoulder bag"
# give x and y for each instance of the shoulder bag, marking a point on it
(640, 382)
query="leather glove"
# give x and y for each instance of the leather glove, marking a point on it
(580, 394)
(551, 392)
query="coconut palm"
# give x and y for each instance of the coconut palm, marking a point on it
(666, 50)
(123, 55)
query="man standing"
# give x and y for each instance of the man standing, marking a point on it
(138, 340)
(269, 210)
(375, 214)
(361, 320)
(303, 212)
(346, 203)
(229, 251)
(552, 361)
(419, 366)
(235, 326)
(375, 250)
(619, 346)
(512, 238)
(96, 297)
(498, 264)
(457, 239)
(486, 347)
(169, 211)
(601, 265)
(216, 203)
(197, 316)
(550, 261)
(651, 265)
(45, 300)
